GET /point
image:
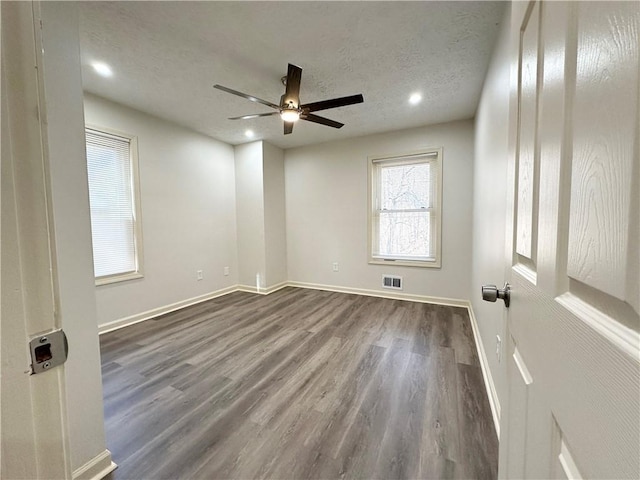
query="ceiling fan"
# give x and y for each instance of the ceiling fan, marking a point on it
(290, 109)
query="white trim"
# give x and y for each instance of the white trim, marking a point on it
(622, 337)
(35, 406)
(397, 262)
(522, 367)
(432, 155)
(527, 272)
(95, 469)
(118, 277)
(452, 302)
(141, 317)
(262, 291)
(149, 314)
(568, 464)
(137, 209)
(490, 386)
(408, 158)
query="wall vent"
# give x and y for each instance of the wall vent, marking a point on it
(392, 281)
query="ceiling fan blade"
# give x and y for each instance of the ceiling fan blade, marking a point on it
(248, 97)
(292, 93)
(310, 117)
(254, 115)
(288, 128)
(333, 103)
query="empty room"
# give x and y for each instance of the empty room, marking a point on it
(320, 240)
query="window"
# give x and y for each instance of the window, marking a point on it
(405, 209)
(115, 210)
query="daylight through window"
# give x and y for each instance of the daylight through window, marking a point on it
(405, 209)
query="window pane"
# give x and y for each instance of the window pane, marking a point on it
(405, 234)
(111, 202)
(405, 187)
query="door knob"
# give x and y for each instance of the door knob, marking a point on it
(491, 293)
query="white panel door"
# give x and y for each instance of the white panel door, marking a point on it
(573, 409)
(32, 407)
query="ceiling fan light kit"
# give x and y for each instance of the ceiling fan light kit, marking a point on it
(290, 109)
(290, 115)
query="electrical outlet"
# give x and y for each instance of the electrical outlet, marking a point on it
(336, 267)
(226, 271)
(498, 348)
(199, 275)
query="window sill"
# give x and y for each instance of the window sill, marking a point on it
(406, 263)
(118, 278)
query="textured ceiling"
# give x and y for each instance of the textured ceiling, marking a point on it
(166, 56)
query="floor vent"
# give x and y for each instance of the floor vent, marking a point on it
(391, 281)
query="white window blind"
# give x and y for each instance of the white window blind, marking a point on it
(405, 215)
(111, 197)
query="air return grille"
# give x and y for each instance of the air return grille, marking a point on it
(392, 281)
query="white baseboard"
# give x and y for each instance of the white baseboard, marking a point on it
(452, 302)
(95, 469)
(149, 314)
(156, 312)
(262, 291)
(494, 401)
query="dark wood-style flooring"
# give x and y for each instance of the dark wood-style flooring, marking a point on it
(298, 384)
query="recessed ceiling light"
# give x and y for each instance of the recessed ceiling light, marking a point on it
(102, 69)
(415, 99)
(249, 133)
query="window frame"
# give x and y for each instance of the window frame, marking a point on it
(137, 210)
(432, 155)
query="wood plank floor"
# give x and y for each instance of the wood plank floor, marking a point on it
(298, 384)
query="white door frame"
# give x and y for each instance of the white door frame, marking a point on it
(35, 440)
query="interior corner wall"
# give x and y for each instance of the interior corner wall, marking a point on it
(326, 211)
(274, 215)
(250, 214)
(71, 231)
(489, 208)
(187, 193)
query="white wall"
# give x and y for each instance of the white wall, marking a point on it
(260, 212)
(274, 215)
(326, 204)
(489, 203)
(250, 213)
(187, 187)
